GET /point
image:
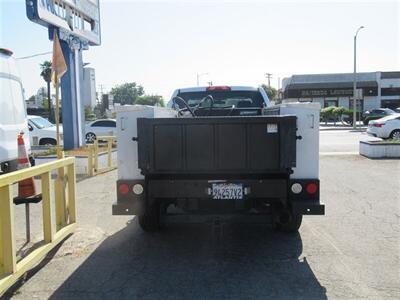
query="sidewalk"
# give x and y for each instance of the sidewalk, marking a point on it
(340, 126)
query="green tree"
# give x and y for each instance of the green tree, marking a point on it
(152, 100)
(271, 92)
(45, 72)
(127, 93)
(89, 114)
(45, 104)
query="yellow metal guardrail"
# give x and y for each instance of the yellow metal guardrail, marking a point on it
(65, 214)
(93, 157)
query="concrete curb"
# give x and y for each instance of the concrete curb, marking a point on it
(362, 129)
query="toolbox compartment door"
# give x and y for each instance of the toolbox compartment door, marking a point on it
(217, 145)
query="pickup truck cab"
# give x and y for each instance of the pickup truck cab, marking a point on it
(12, 113)
(240, 100)
(219, 151)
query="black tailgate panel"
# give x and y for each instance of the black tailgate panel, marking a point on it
(217, 145)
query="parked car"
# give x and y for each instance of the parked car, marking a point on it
(387, 127)
(42, 131)
(100, 127)
(12, 113)
(377, 113)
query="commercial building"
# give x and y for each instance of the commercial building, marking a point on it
(89, 87)
(374, 89)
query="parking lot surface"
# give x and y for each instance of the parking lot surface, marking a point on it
(352, 252)
(342, 141)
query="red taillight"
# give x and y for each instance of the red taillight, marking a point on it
(377, 125)
(312, 188)
(123, 188)
(218, 88)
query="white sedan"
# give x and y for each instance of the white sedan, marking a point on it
(102, 127)
(387, 127)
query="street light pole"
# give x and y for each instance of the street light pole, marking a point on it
(355, 80)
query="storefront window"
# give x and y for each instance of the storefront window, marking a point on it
(392, 103)
(328, 103)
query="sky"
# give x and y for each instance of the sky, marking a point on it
(162, 45)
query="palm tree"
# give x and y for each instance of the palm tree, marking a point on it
(46, 74)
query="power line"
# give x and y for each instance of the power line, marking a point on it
(34, 55)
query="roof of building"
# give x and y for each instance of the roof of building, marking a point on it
(331, 85)
(336, 80)
(388, 75)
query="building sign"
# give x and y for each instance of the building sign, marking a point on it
(327, 93)
(322, 93)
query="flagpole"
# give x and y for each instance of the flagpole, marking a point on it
(57, 116)
(58, 68)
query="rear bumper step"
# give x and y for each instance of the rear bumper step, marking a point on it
(308, 208)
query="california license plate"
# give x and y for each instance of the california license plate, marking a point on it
(232, 191)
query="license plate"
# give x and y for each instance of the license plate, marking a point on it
(232, 191)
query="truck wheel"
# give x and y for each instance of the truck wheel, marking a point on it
(150, 221)
(287, 222)
(293, 224)
(47, 142)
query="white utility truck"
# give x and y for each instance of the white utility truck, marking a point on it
(43, 132)
(12, 112)
(223, 152)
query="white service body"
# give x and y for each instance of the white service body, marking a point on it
(127, 116)
(307, 148)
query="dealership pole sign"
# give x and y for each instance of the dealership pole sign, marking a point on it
(77, 24)
(80, 18)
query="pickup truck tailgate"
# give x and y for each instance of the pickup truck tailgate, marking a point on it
(217, 145)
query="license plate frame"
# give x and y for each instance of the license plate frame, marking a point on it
(227, 191)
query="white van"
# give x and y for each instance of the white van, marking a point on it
(12, 112)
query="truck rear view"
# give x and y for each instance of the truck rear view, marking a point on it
(221, 152)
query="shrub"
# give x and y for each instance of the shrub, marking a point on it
(327, 113)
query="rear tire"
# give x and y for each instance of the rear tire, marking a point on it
(395, 134)
(292, 225)
(90, 137)
(287, 222)
(150, 221)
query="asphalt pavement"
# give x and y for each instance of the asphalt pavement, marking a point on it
(342, 141)
(352, 252)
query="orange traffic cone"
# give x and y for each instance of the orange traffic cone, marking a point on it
(26, 187)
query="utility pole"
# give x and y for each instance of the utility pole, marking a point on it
(269, 76)
(102, 93)
(355, 80)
